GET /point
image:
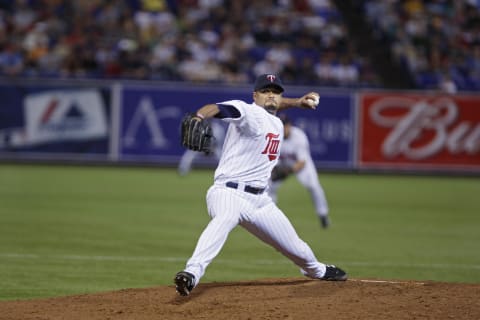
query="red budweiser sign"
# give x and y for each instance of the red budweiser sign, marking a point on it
(419, 131)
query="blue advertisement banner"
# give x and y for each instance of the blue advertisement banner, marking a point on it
(150, 123)
(150, 120)
(37, 120)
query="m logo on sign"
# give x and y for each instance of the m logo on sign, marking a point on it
(60, 115)
(271, 150)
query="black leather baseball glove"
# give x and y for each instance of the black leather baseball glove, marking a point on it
(281, 172)
(197, 134)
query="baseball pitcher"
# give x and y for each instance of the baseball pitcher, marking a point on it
(237, 196)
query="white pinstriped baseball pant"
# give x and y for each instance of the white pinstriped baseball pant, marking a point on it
(259, 215)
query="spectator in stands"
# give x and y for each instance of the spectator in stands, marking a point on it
(447, 85)
(11, 59)
(324, 69)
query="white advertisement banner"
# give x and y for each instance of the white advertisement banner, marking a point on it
(64, 116)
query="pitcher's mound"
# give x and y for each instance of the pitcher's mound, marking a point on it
(292, 298)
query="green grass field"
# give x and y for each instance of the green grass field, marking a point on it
(73, 230)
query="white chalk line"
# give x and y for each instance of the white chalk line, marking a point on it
(387, 281)
(26, 256)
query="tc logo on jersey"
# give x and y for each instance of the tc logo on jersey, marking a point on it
(271, 150)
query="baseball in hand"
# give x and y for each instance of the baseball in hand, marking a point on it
(313, 100)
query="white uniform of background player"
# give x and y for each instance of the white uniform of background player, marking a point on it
(189, 156)
(295, 153)
(237, 196)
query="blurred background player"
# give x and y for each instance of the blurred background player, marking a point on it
(190, 157)
(295, 158)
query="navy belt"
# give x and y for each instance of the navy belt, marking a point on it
(247, 188)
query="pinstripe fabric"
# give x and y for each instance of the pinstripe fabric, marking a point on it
(268, 223)
(260, 216)
(243, 158)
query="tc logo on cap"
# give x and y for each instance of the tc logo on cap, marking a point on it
(270, 77)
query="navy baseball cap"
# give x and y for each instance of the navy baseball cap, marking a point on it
(268, 80)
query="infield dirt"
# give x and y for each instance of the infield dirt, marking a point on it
(292, 298)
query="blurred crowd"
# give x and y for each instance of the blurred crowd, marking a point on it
(438, 41)
(233, 41)
(206, 41)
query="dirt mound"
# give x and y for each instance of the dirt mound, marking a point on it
(293, 298)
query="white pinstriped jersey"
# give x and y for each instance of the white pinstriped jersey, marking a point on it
(255, 129)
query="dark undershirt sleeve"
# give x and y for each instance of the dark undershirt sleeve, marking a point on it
(227, 111)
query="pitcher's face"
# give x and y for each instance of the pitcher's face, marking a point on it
(269, 98)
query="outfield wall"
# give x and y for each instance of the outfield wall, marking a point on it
(138, 122)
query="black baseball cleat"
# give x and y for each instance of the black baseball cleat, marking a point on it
(184, 282)
(334, 274)
(324, 221)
